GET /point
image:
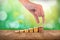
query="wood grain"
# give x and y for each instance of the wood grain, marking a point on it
(47, 34)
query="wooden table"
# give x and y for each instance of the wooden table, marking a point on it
(47, 34)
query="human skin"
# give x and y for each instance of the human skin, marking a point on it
(35, 9)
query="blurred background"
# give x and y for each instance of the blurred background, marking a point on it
(9, 15)
(52, 13)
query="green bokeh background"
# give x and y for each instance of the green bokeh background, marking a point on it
(55, 18)
(23, 19)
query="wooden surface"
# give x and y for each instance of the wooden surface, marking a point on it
(11, 35)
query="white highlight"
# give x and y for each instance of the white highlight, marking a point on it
(14, 24)
(3, 15)
(49, 26)
(21, 17)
